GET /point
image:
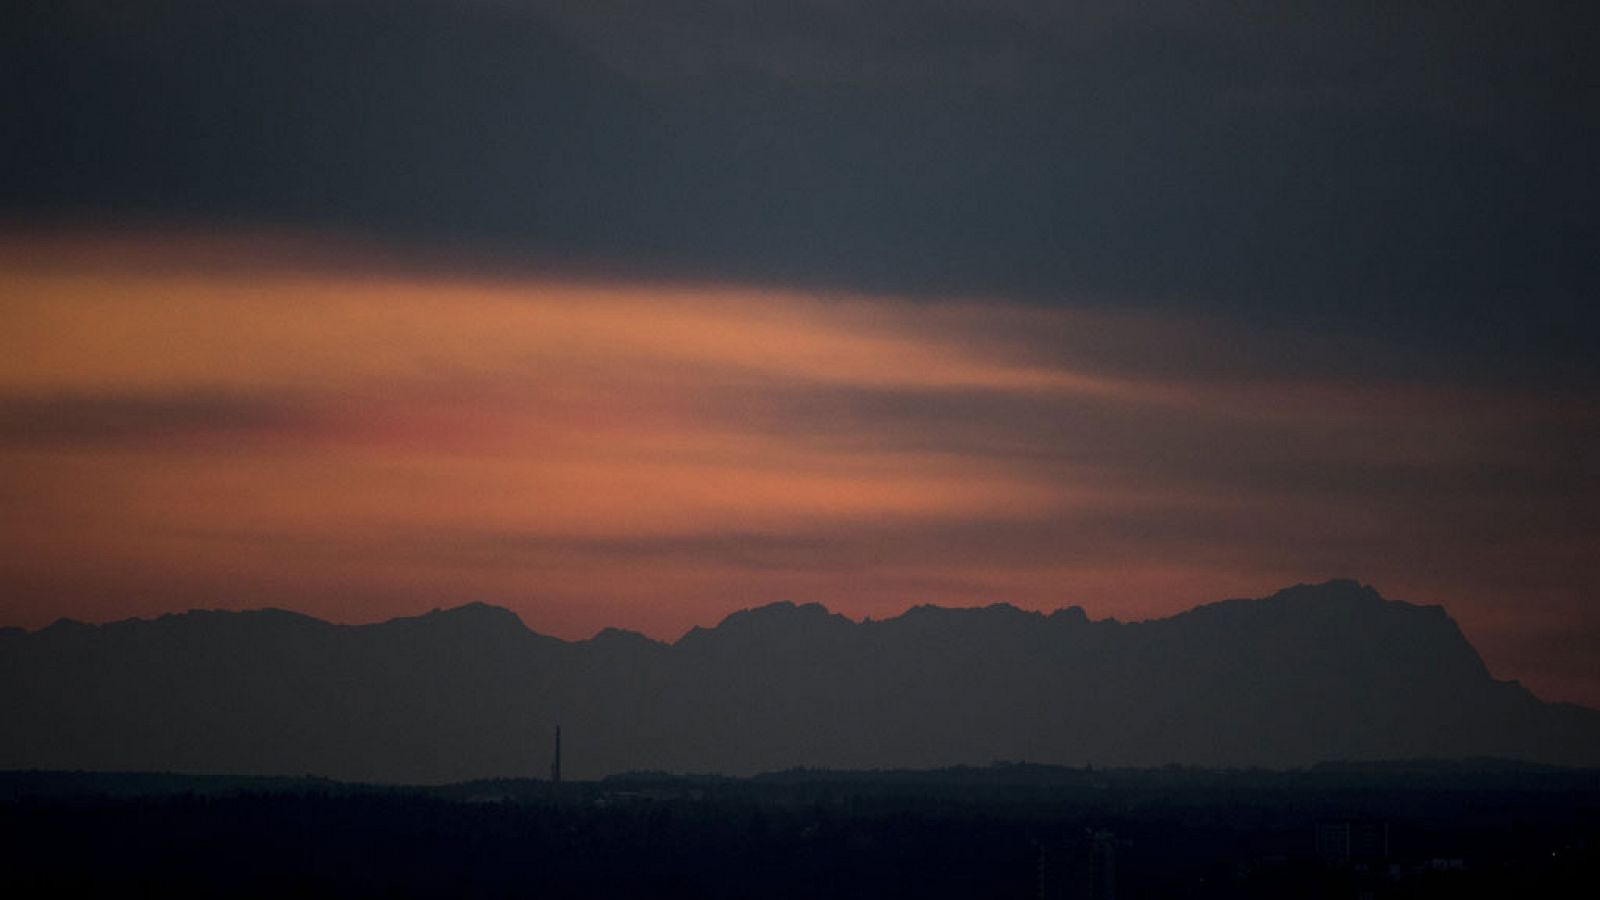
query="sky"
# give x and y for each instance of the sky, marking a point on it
(623, 315)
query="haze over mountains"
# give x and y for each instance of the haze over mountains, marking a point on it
(1312, 673)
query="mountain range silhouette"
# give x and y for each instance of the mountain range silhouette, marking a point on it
(1312, 673)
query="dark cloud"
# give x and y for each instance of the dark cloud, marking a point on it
(64, 419)
(1308, 439)
(1419, 174)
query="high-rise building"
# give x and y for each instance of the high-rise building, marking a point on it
(1353, 840)
(1081, 867)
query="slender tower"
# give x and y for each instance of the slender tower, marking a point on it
(555, 761)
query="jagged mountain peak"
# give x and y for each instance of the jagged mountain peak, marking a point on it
(66, 625)
(1315, 672)
(467, 615)
(1334, 590)
(1334, 600)
(793, 625)
(1069, 614)
(967, 620)
(621, 638)
(993, 610)
(202, 617)
(190, 621)
(781, 614)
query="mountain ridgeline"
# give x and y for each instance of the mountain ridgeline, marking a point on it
(1312, 673)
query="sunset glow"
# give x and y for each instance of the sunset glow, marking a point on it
(187, 423)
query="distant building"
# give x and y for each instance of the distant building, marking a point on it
(1347, 841)
(1082, 867)
(555, 761)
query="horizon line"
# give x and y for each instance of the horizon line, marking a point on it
(1338, 582)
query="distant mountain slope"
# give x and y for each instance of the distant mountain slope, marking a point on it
(1312, 673)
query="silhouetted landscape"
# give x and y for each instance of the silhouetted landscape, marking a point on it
(1311, 674)
(1321, 742)
(616, 322)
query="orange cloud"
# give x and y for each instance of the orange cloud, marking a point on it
(190, 422)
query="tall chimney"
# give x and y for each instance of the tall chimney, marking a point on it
(555, 762)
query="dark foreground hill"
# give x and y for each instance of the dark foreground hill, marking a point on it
(1312, 673)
